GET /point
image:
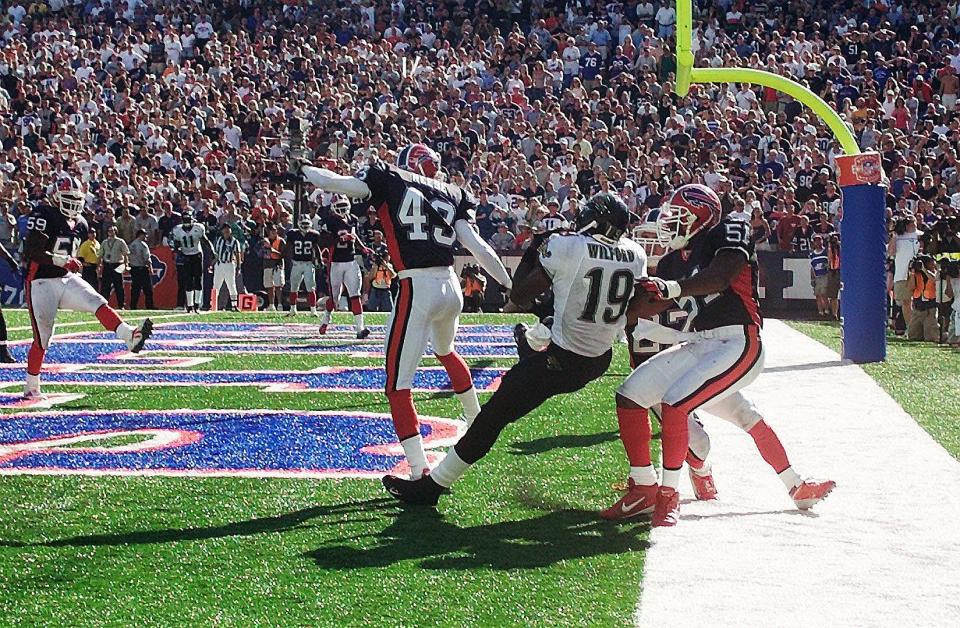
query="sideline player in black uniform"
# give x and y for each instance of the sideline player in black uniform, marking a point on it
(423, 219)
(53, 283)
(303, 250)
(343, 271)
(711, 260)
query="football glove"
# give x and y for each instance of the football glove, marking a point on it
(659, 289)
(69, 264)
(538, 337)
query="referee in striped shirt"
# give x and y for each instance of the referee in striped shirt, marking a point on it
(228, 253)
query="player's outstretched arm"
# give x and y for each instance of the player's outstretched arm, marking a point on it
(716, 278)
(528, 288)
(332, 182)
(485, 255)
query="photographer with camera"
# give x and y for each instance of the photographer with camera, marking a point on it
(380, 276)
(474, 285)
(922, 283)
(903, 247)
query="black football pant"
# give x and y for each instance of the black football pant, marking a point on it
(112, 281)
(531, 381)
(193, 273)
(140, 280)
(89, 275)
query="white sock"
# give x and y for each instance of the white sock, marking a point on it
(471, 405)
(33, 382)
(413, 448)
(644, 476)
(790, 478)
(326, 318)
(189, 296)
(198, 297)
(358, 322)
(671, 478)
(124, 331)
(450, 469)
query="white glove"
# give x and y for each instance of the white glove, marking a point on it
(538, 337)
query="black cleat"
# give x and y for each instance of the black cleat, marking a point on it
(422, 492)
(6, 358)
(140, 336)
(363, 333)
(520, 337)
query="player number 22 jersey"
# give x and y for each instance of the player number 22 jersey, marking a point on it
(592, 286)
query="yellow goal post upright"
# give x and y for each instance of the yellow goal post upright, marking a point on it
(863, 268)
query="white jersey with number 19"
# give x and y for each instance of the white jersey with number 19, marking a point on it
(592, 286)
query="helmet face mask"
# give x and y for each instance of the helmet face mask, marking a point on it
(340, 206)
(304, 224)
(690, 210)
(69, 197)
(647, 235)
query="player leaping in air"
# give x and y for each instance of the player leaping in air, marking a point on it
(52, 280)
(423, 218)
(592, 273)
(712, 261)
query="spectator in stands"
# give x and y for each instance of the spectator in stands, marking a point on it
(147, 222)
(503, 241)
(125, 226)
(141, 275)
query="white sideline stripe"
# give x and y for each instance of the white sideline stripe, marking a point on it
(882, 550)
(123, 314)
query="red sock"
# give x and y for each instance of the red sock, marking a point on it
(405, 420)
(770, 446)
(293, 298)
(329, 305)
(635, 435)
(312, 299)
(108, 318)
(457, 371)
(35, 358)
(355, 306)
(675, 436)
(693, 461)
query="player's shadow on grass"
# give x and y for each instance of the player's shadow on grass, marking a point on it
(423, 535)
(359, 512)
(564, 441)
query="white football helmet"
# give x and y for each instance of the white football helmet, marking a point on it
(305, 223)
(69, 196)
(340, 205)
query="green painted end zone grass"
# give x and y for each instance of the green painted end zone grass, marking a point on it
(923, 377)
(518, 543)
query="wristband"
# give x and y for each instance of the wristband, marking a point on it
(59, 259)
(672, 289)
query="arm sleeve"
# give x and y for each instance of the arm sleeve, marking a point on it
(331, 182)
(487, 259)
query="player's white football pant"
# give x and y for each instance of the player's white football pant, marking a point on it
(47, 296)
(713, 365)
(305, 273)
(345, 276)
(427, 310)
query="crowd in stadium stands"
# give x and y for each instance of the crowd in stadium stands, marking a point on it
(163, 107)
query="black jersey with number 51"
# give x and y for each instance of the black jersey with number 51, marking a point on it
(739, 304)
(417, 215)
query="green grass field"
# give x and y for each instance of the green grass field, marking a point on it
(923, 377)
(518, 543)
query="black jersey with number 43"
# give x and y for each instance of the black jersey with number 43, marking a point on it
(739, 304)
(417, 215)
(63, 236)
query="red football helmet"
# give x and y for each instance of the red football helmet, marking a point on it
(68, 194)
(419, 159)
(689, 210)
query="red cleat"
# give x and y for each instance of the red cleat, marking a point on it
(667, 511)
(811, 492)
(702, 480)
(638, 500)
(323, 329)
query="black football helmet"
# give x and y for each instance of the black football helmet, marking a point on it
(605, 217)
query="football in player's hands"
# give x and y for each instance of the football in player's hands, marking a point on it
(73, 265)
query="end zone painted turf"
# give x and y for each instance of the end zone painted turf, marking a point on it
(881, 550)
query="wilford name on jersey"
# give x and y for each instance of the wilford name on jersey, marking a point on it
(614, 254)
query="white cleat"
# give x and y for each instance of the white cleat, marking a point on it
(33, 394)
(315, 311)
(140, 336)
(292, 311)
(272, 309)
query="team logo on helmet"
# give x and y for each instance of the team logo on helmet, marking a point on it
(690, 209)
(69, 196)
(419, 159)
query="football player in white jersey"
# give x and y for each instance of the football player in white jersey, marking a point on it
(592, 272)
(187, 238)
